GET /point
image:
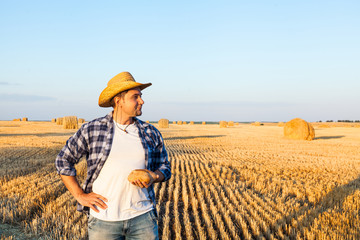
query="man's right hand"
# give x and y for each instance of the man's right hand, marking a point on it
(92, 200)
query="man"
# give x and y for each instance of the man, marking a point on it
(114, 146)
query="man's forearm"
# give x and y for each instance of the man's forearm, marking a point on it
(72, 185)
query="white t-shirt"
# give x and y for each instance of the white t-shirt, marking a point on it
(125, 200)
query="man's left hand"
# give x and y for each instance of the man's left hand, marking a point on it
(153, 177)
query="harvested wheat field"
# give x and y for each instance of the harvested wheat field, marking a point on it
(240, 182)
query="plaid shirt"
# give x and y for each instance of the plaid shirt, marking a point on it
(94, 140)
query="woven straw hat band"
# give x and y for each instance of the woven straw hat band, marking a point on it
(123, 77)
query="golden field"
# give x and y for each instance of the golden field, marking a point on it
(240, 182)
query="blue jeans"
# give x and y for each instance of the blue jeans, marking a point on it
(140, 227)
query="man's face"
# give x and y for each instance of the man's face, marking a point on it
(131, 103)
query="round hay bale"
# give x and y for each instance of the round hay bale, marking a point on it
(237, 124)
(298, 128)
(25, 119)
(184, 123)
(203, 123)
(163, 123)
(53, 120)
(223, 124)
(231, 123)
(81, 120)
(179, 122)
(70, 122)
(281, 124)
(59, 121)
(192, 123)
(17, 119)
(147, 121)
(174, 122)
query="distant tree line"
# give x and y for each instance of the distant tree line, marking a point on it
(348, 121)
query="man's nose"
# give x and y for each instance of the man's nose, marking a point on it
(141, 101)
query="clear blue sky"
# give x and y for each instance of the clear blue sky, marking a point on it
(207, 60)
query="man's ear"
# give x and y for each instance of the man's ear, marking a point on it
(119, 101)
(115, 101)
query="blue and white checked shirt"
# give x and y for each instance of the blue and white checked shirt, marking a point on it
(94, 140)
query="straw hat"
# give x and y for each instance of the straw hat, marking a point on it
(121, 82)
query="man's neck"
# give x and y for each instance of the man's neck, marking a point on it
(123, 120)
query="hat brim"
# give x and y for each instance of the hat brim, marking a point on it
(111, 91)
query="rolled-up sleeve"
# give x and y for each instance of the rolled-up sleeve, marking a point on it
(163, 161)
(75, 148)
